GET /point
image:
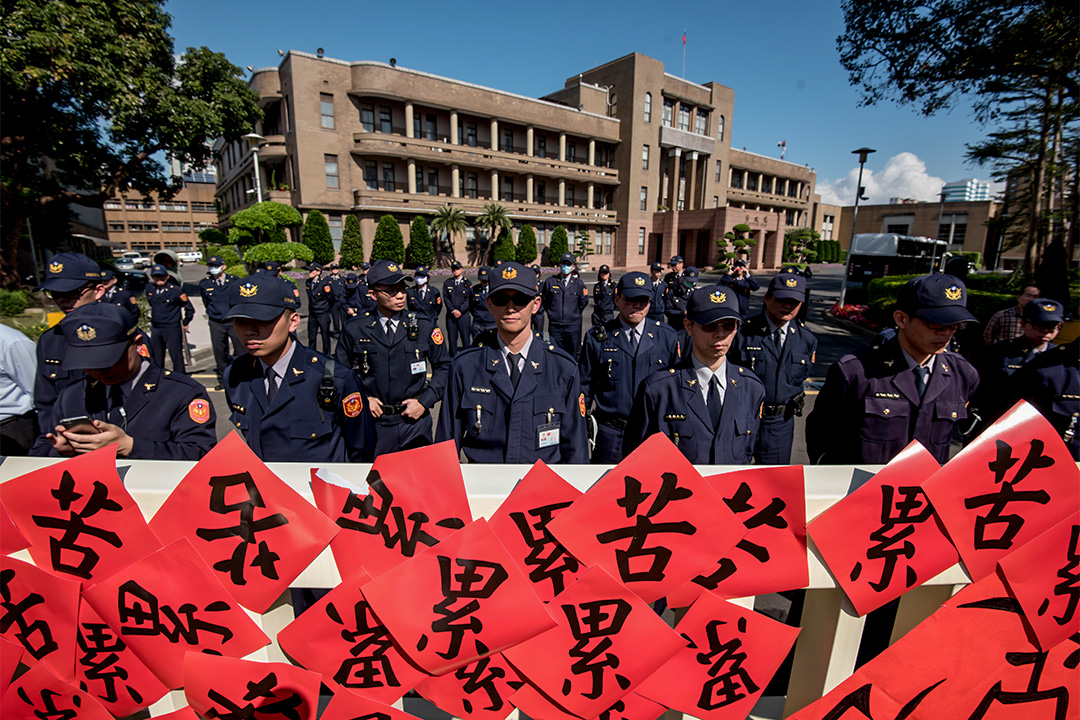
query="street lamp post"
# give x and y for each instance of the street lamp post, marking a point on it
(255, 139)
(862, 152)
(941, 221)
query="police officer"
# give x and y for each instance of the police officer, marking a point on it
(1051, 382)
(603, 297)
(392, 350)
(119, 296)
(616, 359)
(320, 294)
(676, 296)
(674, 276)
(71, 280)
(564, 298)
(214, 289)
(148, 412)
(351, 302)
(656, 283)
(291, 404)
(707, 406)
(1040, 322)
(911, 388)
(780, 351)
(422, 298)
(806, 273)
(538, 316)
(167, 333)
(338, 305)
(517, 399)
(742, 284)
(458, 320)
(482, 319)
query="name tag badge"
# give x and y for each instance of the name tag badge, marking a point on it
(418, 367)
(547, 435)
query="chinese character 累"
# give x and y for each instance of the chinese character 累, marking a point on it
(589, 621)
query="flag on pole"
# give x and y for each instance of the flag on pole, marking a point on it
(684, 38)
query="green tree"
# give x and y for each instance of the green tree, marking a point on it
(316, 235)
(526, 245)
(583, 247)
(494, 219)
(449, 221)
(388, 243)
(352, 243)
(504, 249)
(740, 242)
(799, 244)
(560, 245)
(1001, 54)
(213, 236)
(93, 93)
(421, 251)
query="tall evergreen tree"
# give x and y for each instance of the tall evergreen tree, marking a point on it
(560, 245)
(526, 245)
(352, 243)
(388, 243)
(421, 250)
(316, 235)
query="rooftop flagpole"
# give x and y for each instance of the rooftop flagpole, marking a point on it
(684, 54)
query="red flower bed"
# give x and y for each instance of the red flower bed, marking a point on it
(858, 314)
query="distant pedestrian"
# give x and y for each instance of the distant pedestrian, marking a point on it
(171, 312)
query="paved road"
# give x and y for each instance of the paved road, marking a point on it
(833, 342)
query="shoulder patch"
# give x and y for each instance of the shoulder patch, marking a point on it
(183, 296)
(581, 404)
(437, 336)
(352, 404)
(199, 410)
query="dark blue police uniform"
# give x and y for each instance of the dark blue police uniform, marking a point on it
(320, 294)
(394, 369)
(167, 331)
(124, 298)
(656, 306)
(782, 370)
(612, 372)
(482, 319)
(424, 299)
(1051, 382)
(676, 295)
(742, 287)
(456, 294)
(565, 297)
(215, 298)
(603, 299)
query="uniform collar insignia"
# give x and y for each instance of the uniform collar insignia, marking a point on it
(495, 363)
(297, 373)
(536, 365)
(149, 386)
(734, 381)
(691, 383)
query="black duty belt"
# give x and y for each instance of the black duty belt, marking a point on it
(614, 421)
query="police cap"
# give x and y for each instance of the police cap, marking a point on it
(158, 271)
(634, 285)
(940, 299)
(675, 260)
(421, 272)
(1042, 311)
(261, 298)
(273, 266)
(604, 269)
(567, 258)
(456, 265)
(787, 286)
(656, 267)
(514, 276)
(711, 303)
(386, 272)
(313, 267)
(97, 335)
(214, 261)
(70, 271)
(690, 273)
(483, 272)
(352, 281)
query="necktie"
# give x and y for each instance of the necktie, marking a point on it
(515, 371)
(778, 336)
(389, 328)
(714, 402)
(271, 385)
(922, 374)
(633, 341)
(116, 399)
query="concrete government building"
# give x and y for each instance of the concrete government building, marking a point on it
(639, 158)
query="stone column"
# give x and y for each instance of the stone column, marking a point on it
(495, 185)
(455, 178)
(409, 119)
(562, 193)
(529, 188)
(592, 152)
(589, 195)
(453, 134)
(529, 142)
(672, 199)
(411, 164)
(562, 152)
(494, 134)
(691, 185)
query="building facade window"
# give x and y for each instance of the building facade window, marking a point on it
(176, 227)
(470, 134)
(334, 221)
(751, 182)
(165, 206)
(570, 195)
(792, 188)
(429, 126)
(472, 185)
(331, 165)
(898, 224)
(718, 164)
(669, 109)
(607, 241)
(827, 224)
(720, 128)
(113, 205)
(367, 117)
(792, 217)
(571, 151)
(766, 184)
(644, 157)
(116, 227)
(371, 175)
(508, 141)
(701, 122)
(716, 201)
(736, 179)
(953, 228)
(541, 194)
(648, 107)
(419, 179)
(508, 189)
(326, 108)
(202, 206)
(432, 181)
(541, 146)
(644, 199)
(386, 124)
(641, 241)
(684, 118)
(388, 177)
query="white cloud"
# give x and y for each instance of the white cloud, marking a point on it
(904, 176)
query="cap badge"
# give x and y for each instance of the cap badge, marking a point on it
(717, 297)
(56, 267)
(86, 333)
(248, 290)
(509, 273)
(953, 293)
(1049, 307)
(392, 267)
(639, 281)
(791, 282)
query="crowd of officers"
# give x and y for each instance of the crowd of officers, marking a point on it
(664, 354)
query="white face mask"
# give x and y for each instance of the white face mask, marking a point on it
(566, 269)
(217, 270)
(421, 281)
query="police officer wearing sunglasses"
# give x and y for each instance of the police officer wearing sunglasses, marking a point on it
(514, 398)
(707, 406)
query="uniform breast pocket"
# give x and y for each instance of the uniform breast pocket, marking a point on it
(319, 425)
(240, 421)
(946, 415)
(477, 415)
(885, 420)
(548, 406)
(742, 445)
(681, 433)
(799, 369)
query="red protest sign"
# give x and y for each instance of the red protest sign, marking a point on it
(652, 522)
(349, 706)
(732, 655)
(629, 707)
(225, 687)
(980, 661)
(11, 540)
(110, 672)
(410, 500)
(1001, 491)
(10, 657)
(169, 603)
(184, 713)
(883, 539)
(78, 517)
(466, 599)
(521, 522)
(1043, 577)
(595, 656)
(256, 532)
(39, 614)
(39, 693)
(771, 557)
(480, 690)
(340, 637)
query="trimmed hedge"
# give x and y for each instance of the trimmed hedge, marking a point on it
(526, 245)
(13, 302)
(560, 245)
(421, 250)
(279, 252)
(388, 243)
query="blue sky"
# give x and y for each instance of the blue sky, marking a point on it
(779, 56)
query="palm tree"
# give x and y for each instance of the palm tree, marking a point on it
(494, 218)
(450, 220)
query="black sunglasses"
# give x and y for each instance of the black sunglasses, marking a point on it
(504, 298)
(728, 325)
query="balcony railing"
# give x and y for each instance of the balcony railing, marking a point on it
(403, 201)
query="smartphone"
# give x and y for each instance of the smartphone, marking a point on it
(80, 424)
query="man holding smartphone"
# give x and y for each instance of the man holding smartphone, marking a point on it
(150, 413)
